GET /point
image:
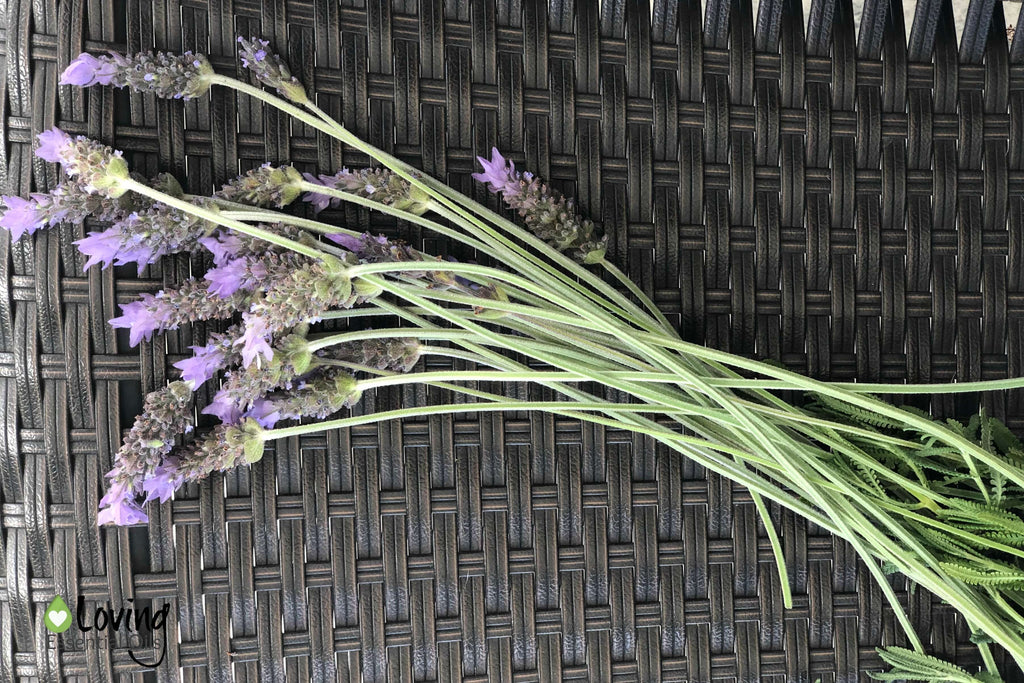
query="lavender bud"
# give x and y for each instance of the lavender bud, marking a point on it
(270, 69)
(324, 395)
(224, 448)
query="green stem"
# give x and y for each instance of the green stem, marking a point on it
(641, 296)
(215, 217)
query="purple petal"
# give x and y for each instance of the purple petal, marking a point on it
(142, 317)
(203, 365)
(497, 172)
(224, 408)
(223, 246)
(52, 145)
(255, 340)
(264, 412)
(100, 247)
(21, 216)
(163, 482)
(227, 279)
(124, 512)
(350, 242)
(87, 70)
(319, 200)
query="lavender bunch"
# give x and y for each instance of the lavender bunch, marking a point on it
(938, 502)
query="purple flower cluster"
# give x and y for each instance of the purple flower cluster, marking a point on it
(269, 69)
(22, 216)
(95, 167)
(143, 465)
(165, 75)
(380, 185)
(170, 308)
(142, 237)
(546, 213)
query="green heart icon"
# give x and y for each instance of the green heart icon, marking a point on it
(58, 615)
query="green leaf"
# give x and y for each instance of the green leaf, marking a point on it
(1007, 579)
(915, 666)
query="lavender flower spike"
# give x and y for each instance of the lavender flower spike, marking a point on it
(96, 167)
(22, 216)
(547, 214)
(264, 186)
(270, 69)
(166, 414)
(165, 75)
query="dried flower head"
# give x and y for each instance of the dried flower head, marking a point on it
(380, 185)
(395, 355)
(224, 448)
(329, 391)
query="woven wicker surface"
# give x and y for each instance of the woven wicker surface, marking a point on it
(841, 202)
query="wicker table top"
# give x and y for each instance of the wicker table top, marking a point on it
(825, 196)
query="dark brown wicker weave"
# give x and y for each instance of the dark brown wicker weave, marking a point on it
(841, 202)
